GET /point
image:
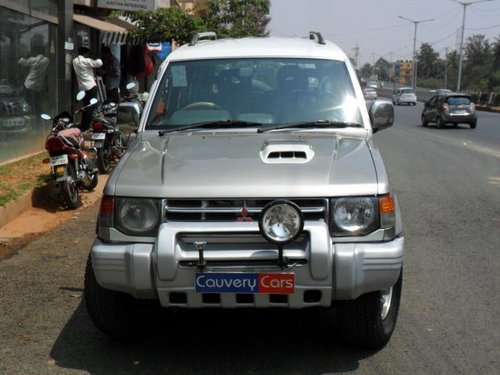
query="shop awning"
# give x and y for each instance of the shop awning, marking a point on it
(110, 32)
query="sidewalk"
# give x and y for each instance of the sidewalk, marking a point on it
(37, 212)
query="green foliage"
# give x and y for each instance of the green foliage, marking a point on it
(228, 18)
(236, 18)
(164, 24)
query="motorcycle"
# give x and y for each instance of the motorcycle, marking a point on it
(69, 164)
(108, 140)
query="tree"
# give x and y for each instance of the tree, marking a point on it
(235, 18)
(366, 71)
(478, 63)
(382, 67)
(427, 62)
(164, 24)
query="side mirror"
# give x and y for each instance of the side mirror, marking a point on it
(93, 101)
(381, 115)
(80, 95)
(45, 116)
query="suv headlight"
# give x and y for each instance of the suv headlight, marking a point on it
(354, 216)
(137, 216)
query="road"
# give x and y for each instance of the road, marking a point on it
(448, 182)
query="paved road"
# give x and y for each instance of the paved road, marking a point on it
(448, 182)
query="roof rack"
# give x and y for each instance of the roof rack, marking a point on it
(206, 35)
(316, 35)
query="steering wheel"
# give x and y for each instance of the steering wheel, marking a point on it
(201, 105)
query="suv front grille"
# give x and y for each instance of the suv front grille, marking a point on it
(235, 209)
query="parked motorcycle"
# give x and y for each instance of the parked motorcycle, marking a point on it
(70, 166)
(108, 141)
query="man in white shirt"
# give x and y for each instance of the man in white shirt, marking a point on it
(35, 82)
(84, 71)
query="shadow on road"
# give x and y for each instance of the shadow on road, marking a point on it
(211, 342)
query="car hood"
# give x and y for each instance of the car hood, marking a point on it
(216, 164)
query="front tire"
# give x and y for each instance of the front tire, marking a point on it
(439, 122)
(473, 125)
(116, 314)
(369, 320)
(424, 121)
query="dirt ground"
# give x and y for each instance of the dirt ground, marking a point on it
(45, 213)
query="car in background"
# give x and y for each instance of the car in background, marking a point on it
(449, 108)
(373, 84)
(370, 93)
(15, 112)
(404, 95)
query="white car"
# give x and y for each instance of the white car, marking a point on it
(404, 95)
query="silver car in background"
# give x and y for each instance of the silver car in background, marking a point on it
(254, 182)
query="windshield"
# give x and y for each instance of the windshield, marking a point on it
(262, 92)
(407, 91)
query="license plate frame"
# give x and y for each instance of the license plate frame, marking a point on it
(59, 160)
(245, 282)
(98, 136)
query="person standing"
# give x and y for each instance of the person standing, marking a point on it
(111, 70)
(84, 71)
(35, 83)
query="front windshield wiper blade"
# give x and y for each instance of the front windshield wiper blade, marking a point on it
(210, 124)
(305, 124)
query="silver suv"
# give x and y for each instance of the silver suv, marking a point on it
(254, 182)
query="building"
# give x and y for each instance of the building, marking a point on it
(38, 41)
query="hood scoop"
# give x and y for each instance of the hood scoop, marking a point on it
(286, 152)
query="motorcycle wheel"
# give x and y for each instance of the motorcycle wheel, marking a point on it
(69, 189)
(104, 158)
(90, 185)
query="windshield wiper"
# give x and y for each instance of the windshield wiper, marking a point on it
(210, 124)
(305, 124)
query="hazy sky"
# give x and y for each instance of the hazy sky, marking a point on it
(375, 27)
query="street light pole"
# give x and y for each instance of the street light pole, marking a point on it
(414, 59)
(465, 5)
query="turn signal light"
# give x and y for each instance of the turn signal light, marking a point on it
(46, 160)
(386, 204)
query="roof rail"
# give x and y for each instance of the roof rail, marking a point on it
(316, 35)
(206, 35)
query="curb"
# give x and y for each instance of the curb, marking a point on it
(14, 208)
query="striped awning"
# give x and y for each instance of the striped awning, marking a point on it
(110, 32)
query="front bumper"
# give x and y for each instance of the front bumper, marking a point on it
(323, 269)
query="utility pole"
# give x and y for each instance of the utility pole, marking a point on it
(465, 5)
(414, 59)
(446, 68)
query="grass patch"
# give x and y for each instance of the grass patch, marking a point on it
(22, 176)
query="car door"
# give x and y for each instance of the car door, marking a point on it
(431, 109)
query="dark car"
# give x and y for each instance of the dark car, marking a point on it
(449, 108)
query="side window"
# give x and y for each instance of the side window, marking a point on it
(433, 100)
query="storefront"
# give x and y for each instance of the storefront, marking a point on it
(28, 70)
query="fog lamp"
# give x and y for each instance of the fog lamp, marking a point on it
(281, 222)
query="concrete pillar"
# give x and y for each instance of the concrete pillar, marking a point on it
(65, 54)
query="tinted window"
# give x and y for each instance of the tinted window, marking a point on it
(458, 100)
(407, 91)
(268, 90)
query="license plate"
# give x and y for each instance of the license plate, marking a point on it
(59, 160)
(98, 136)
(460, 112)
(258, 283)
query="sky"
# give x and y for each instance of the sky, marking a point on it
(375, 26)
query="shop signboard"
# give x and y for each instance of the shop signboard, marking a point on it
(131, 5)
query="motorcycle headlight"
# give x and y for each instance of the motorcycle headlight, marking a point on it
(354, 216)
(137, 216)
(281, 222)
